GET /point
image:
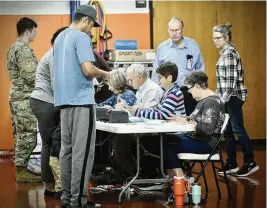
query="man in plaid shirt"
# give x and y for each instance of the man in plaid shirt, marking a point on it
(231, 89)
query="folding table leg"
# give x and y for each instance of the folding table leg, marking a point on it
(161, 156)
(137, 169)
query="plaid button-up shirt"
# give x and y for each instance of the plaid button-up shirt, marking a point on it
(230, 75)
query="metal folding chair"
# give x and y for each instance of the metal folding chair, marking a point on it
(214, 157)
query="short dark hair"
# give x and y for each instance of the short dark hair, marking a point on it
(56, 34)
(167, 69)
(79, 16)
(197, 77)
(24, 24)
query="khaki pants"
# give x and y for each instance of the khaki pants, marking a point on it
(54, 164)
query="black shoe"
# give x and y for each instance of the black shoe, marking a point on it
(57, 195)
(108, 176)
(48, 193)
(65, 204)
(92, 205)
(229, 169)
(247, 169)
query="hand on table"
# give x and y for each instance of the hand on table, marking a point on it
(107, 107)
(120, 106)
(132, 109)
(181, 120)
(178, 119)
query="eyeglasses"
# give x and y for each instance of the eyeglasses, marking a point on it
(175, 31)
(130, 82)
(160, 77)
(217, 38)
(189, 88)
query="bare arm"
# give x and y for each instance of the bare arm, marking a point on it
(86, 57)
(91, 71)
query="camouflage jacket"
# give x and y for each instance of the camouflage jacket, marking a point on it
(21, 67)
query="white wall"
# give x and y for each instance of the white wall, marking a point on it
(121, 7)
(63, 7)
(34, 7)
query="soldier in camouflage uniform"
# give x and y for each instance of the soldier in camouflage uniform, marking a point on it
(21, 67)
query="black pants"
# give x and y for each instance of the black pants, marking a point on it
(124, 153)
(48, 116)
(236, 126)
(122, 144)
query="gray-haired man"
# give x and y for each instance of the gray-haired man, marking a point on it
(149, 93)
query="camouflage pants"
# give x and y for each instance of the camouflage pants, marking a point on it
(55, 166)
(24, 126)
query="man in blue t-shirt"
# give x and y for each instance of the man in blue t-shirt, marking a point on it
(74, 94)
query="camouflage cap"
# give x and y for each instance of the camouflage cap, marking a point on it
(89, 11)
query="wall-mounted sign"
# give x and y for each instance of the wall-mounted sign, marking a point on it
(140, 4)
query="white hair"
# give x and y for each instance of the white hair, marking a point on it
(176, 19)
(138, 69)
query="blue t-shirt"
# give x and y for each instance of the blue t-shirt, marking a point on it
(71, 86)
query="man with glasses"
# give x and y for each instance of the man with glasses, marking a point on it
(149, 93)
(182, 51)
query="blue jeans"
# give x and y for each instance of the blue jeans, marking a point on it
(236, 126)
(175, 144)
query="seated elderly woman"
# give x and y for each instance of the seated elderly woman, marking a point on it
(208, 118)
(172, 101)
(118, 84)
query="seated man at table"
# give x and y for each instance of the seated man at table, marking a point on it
(148, 95)
(148, 92)
(208, 118)
(172, 101)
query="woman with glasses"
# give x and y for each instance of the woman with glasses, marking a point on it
(231, 90)
(118, 85)
(207, 118)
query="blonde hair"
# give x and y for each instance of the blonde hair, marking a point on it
(117, 80)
